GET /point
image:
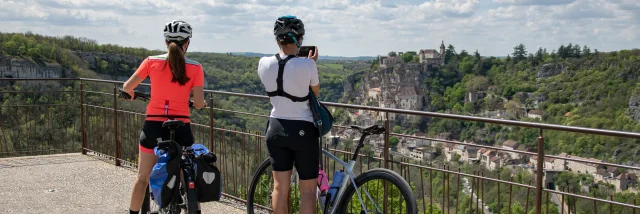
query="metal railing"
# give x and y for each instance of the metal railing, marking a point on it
(85, 115)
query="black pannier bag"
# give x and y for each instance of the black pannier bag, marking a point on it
(208, 179)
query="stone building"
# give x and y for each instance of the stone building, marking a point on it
(374, 93)
(409, 98)
(431, 56)
(426, 56)
(388, 61)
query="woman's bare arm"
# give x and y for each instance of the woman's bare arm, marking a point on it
(198, 97)
(132, 83)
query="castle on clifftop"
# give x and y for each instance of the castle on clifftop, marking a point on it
(426, 56)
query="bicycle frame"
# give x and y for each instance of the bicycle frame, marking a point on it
(349, 176)
(186, 167)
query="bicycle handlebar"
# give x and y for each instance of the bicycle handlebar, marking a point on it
(144, 96)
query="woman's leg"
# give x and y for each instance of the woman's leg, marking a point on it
(146, 162)
(308, 196)
(151, 130)
(307, 162)
(278, 143)
(281, 185)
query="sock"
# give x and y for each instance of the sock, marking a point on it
(134, 212)
(199, 212)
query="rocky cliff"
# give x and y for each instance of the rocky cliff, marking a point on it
(111, 64)
(14, 67)
(634, 108)
(399, 80)
(108, 66)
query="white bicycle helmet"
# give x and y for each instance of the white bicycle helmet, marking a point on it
(177, 31)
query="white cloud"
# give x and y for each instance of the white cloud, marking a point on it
(339, 27)
(535, 2)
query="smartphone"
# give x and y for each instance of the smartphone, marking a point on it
(304, 51)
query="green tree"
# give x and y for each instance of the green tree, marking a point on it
(586, 51)
(393, 141)
(408, 56)
(477, 83)
(397, 129)
(519, 52)
(450, 54)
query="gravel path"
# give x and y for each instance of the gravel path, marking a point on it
(74, 183)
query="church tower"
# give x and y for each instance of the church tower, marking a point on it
(442, 54)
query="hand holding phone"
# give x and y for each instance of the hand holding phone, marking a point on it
(314, 55)
(309, 52)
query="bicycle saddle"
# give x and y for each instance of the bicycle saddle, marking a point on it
(172, 124)
(372, 129)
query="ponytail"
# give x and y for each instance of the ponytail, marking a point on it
(177, 62)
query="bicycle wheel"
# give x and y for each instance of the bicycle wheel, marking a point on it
(396, 187)
(259, 195)
(190, 197)
(150, 207)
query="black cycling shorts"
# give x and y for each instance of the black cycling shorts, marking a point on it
(293, 142)
(152, 130)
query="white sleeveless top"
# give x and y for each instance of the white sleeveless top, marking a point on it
(298, 75)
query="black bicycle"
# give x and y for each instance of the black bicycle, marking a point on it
(187, 198)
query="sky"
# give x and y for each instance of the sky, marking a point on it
(339, 27)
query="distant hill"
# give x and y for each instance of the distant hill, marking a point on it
(341, 58)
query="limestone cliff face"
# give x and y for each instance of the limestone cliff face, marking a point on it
(634, 108)
(403, 81)
(116, 64)
(13, 67)
(108, 66)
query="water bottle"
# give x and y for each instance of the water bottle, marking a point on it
(323, 182)
(335, 185)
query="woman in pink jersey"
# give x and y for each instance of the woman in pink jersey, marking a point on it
(173, 78)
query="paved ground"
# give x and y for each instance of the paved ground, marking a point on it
(72, 183)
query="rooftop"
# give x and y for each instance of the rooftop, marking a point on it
(510, 143)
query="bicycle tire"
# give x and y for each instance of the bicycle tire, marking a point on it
(254, 183)
(382, 174)
(146, 202)
(190, 198)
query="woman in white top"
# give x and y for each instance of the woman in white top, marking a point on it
(292, 138)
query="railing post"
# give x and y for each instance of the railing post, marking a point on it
(115, 124)
(83, 136)
(211, 133)
(539, 173)
(386, 160)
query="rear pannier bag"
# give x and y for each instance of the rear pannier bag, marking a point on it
(208, 180)
(164, 178)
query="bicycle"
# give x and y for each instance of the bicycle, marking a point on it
(346, 189)
(187, 198)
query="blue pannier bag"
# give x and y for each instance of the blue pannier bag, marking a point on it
(199, 149)
(321, 115)
(208, 178)
(164, 178)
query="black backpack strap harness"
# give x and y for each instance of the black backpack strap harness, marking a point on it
(280, 91)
